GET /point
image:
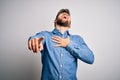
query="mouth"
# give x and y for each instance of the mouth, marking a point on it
(65, 17)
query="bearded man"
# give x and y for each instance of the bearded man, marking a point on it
(60, 50)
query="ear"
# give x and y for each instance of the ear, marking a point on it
(54, 21)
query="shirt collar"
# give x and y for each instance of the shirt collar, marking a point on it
(58, 32)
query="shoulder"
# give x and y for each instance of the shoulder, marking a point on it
(76, 37)
(44, 33)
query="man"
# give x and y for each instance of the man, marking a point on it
(60, 49)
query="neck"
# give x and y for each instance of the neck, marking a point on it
(62, 28)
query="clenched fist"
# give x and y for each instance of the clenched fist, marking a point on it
(35, 44)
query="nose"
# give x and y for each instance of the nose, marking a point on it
(65, 14)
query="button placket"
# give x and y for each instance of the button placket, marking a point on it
(61, 63)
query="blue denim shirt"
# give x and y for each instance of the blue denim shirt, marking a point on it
(61, 63)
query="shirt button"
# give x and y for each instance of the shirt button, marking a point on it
(60, 76)
(61, 54)
(61, 65)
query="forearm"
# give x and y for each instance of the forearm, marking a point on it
(35, 43)
(38, 35)
(81, 51)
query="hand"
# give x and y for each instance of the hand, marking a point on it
(36, 44)
(61, 41)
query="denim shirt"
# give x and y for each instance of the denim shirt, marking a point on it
(61, 63)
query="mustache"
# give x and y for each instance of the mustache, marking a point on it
(62, 23)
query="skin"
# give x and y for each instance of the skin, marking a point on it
(36, 45)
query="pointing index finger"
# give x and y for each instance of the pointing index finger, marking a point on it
(40, 39)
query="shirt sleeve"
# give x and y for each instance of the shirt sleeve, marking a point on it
(80, 50)
(38, 35)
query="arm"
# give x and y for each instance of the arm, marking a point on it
(77, 48)
(81, 50)
(38, 35)
(35, 43)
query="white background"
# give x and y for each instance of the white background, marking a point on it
(97, 21)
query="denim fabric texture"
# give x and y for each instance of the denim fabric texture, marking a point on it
(60, 63)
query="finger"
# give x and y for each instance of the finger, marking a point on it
(41, 47)
(57, 45)
(34, 50)
(40, 39)
(29, 45)
(36, 45)
(33, 45)
(56, 38)
(58, 42)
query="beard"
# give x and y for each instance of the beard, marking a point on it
(63, 23)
